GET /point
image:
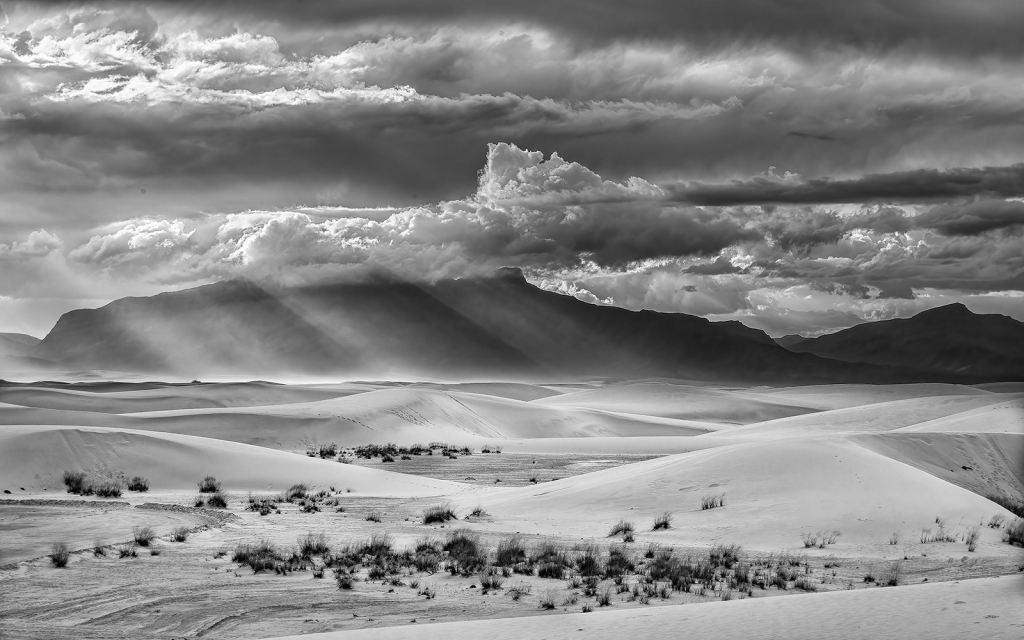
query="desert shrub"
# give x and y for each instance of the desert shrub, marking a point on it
(721, 555)
(587, 559)
(180, 534)
(76, 483)
(377, 545)
(1014, 532)
(869, 577)
(327, 450)
(155, 551)
(604, 597)
(893, 574)
(805, 584)
(1013, 505)
(373, 516)
(894, 538)
(387, 458)
(547, 601)
(551, 570)
(587, 607)
(511, 551)
(664, 521)
(60, 554)
(971, 538)
(652, 549)
(108, 489)
(996, 521)
(620, 562)
(343, 578)
(260, 556)
(940, 536)
(313, 544)
(143, 535)
(712, 502)
(478, 512)
(439, 513)
(622, 526)
(217, 501)
(209, 484)
(99, 549)
(138, 483)
(427, 591)
(465, 555)
(489, 581)
(296, 492)
(127, 550)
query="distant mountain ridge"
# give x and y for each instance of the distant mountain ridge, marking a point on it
(947, 340)
(499, 326)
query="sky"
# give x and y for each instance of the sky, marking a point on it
(799, 166)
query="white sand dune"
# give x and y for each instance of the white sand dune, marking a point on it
(872, 418)
(35, 456)
(678, 401)
(774, 491)
(981, 462)
(405, 416)
(1001, 417)
(169, 397)
(511, 390)
(983, 608)
(843, 396)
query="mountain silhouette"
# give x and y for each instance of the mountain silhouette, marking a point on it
(945, 340)
(473, 327)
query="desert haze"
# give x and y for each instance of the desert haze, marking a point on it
(477, 319)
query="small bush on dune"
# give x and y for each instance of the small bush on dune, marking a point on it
(722, 555)
(712, 502)
(894, 538)
(547, 601)
(260, 556)
(439, 513)
(108, 489)
(604, 598)
(465, 555)
(344, 578)
(489, 581)
(99, 549)
(1014, 532)
(511, 551)
(313, 544)
(180, 534)
(622, 526)
(478, 512)
(379, 544)
(143, 535)
(1013, 505)
(296, 492)
(620, 562)
(75, 481)
(373, 516)
(664, 521)
(217, 501)
(138, 483)
(60, 554)
(200, 501)
(588, 560)
(996, 521)
(893, 574)
(127, 550)
(971, 538)
(209, 484)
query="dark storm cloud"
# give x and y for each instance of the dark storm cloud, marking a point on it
(944, 26)
(920, 185)
(972, 218)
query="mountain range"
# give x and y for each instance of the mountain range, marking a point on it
(502, 326)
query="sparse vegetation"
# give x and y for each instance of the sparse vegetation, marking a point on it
(1013, 505)
(127, 550)
(971, 538)
(547, 601)
(373, 516)
(478, 512)
(313, 544)
(143, 535)
(664, 521)
(76, 482)
(217, 501)
(822, 539)
(622, 526)
(138, 483)
(893, 574)
(712, 502)
(996, 521)
(1014, 532)
(108, 489)
(439, 513)
(209, 484)
(180, 534)
(511, 551)
(60, 554)
(99, 549)
(894, 538)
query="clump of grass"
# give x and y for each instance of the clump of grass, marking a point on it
(712, 502)
(373, 516)
(622, 526)
(313, 544)
(971, 538)
(344, 578)
(60, 554)
(721, 555)
(465, 555)
(587, 607)
(108, 489)
(894, 538)
(1014, 532)
(511, 551)
(127, 550)
(588, 560)
(664, 521)
(180, 534)
(76, 482)
(427, 591)
(805, 584)
(547, 601)
(296, 492)
(143, 535)
(154, 551)
(260, 556)
(217, 501)
(138, 483)
(604, 597)
(439, 513)
(996, 521)
(99, 549)
(489, 581)
(478, 512)
(519, 590)
(209, 484)
(893, 574)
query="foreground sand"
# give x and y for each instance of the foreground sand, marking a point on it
(864, 461)
(984, 608)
